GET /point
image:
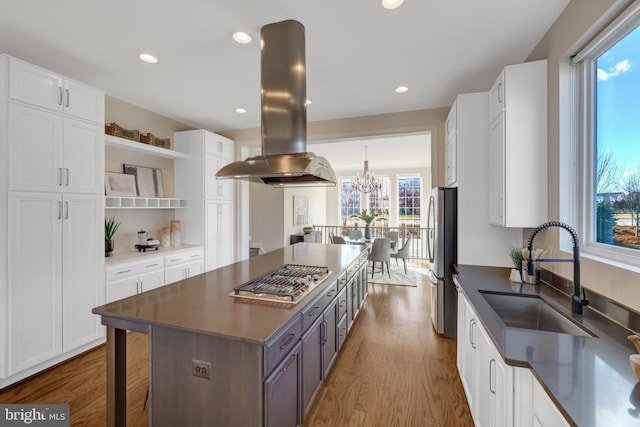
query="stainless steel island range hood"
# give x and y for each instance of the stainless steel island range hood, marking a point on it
(284, 160)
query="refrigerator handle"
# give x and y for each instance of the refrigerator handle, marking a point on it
(430, 228)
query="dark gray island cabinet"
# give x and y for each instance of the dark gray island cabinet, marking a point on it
(220, 360)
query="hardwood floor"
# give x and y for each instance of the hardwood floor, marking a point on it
(394, 370)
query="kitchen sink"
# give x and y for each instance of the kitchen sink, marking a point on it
(531, 312)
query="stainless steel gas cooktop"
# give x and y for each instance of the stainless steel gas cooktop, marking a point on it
(288, 284)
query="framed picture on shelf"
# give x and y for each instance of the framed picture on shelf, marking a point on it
(149, 181)
(119, 184)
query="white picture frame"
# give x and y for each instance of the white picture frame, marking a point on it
(119, 184)
(300, 210)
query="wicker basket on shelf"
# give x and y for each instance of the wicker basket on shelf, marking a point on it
(119, 131)
(150, 139)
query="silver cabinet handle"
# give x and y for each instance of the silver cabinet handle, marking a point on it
(492, 388)
(59, 210)
(471, 324)
(66, 206)
(60, 95)
(68, 97)
(289, 340)
(220, 147)
(151, 265)
(123, 271)
(67, 173)
(500, 96)
(60, 177)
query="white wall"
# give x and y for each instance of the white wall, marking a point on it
(266, 210)
(317, 208)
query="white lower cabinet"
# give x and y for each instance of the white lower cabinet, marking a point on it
(183, 265)
(55, 276)
(532, 406)
(498, 394)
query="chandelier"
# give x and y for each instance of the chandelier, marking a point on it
(366, 183)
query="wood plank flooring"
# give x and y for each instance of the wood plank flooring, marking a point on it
(394, 370)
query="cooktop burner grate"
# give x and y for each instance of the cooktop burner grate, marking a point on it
(288, 283)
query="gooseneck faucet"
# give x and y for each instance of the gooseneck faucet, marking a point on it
(577, 302)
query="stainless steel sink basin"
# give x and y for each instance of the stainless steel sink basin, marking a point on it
(531, 312)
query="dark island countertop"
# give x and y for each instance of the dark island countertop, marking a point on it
(202, 303)
(589, 378)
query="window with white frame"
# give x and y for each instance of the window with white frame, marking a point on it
(610, 74)
(379, 202)
(409, 200)
(350, 201)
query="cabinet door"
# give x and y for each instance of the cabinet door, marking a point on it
(462, 336)
(151, 280)
(349, 289)
(226, 246)
(83, 153)
(496, 97)
(469, 359)
(34, 85)
(194, 268)
(82, 269)
(219, 146)
(329, 342)
(451, 123)
(497, 172)
(485, 396)
(311, 362)
(35, 279)
(212, 235)
(342, 331)
(83, 101)
(213, 185)
(282, 393)
(174, 274)
(119, 289)
(35, 149)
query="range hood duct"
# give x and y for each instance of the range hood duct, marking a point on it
(283, 93)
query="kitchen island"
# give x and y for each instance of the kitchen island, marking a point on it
(584, 375)
(220, 360)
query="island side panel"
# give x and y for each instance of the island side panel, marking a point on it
(234, 394)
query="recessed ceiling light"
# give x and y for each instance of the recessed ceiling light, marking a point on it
(401, 89)
(391, 4)
(308, 102)
(240, 110)
(242, 37)
(147, 57)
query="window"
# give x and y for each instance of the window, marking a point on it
(611, 73)
(409, 195)
(349, 199)
(379, 202)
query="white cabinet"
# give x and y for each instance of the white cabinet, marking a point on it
(479, 242)
(55, 275)
(183, 265)
(486, 379)
(532, 406)
(518, 141)
(36, 86)
(51, 219)
(124, 279)
(209, 220)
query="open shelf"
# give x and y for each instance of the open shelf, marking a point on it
(119, 202)
(114, 141)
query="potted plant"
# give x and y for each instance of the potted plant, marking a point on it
(110, 228)
(367, 217)
(516, 258)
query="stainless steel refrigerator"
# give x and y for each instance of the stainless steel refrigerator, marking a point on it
(442, 218)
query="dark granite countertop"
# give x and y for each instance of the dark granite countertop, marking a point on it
(589, 378)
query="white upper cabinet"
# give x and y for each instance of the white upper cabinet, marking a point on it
(51, 152)
(518, 141)
(36, 86)
(451, 148)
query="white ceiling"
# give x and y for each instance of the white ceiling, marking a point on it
(357, 52)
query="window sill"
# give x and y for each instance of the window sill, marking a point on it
(614, 259)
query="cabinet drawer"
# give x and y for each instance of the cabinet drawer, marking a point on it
(119, 271)
(342, 280)
(276, 348)
(183, 256)
(342, 303)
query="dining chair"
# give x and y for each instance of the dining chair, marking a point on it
(380, 251)
(393, 236)
(338, 240)
(403, 253)
(355, 235)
